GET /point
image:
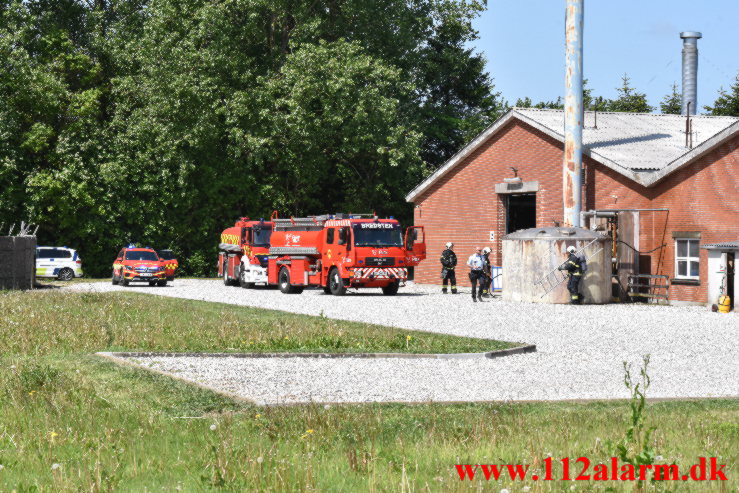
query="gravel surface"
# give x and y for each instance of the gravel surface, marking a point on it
(694, 352)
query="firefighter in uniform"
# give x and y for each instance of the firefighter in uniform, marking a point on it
(448, 263)
(573, 266)
(488, 272)
(476, 264)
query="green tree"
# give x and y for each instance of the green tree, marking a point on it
(590, 103)
(160, 121)
(727, 102)
(454, 93)
(672, 103)
(336, 131)
(593, 103)
(629, 100)
(527, 103)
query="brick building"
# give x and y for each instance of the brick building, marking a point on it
(682, 192)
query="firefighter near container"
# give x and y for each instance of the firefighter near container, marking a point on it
(448, 264)
(574, 267)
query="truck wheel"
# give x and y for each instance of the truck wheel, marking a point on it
(115, 279)
(225, 274)
(152, 283)
(284, 281)
(124, 281)
(162, 282)
(336, 283)
(391, 289)
(327, 288)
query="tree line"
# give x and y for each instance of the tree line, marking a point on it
(161, 121)
(629, 99)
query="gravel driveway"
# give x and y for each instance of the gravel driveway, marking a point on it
(694, 353)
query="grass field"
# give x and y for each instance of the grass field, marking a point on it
(72, 422)
(59, 322)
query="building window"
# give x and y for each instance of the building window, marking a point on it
(687, 258)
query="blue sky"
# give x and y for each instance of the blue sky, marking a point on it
(523, 42)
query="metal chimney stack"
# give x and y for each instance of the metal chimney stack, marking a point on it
(690, 70)
(572, 162)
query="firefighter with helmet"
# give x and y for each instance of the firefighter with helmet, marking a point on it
(487, 272)
(573, 265)
(448, 263)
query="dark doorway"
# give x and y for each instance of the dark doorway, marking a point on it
(520, 212)
(730, 273)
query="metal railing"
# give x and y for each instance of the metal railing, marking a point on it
(653, 285)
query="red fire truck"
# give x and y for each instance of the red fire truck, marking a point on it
(342, 251)
(244, 249)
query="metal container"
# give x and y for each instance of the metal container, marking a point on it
(531, 258)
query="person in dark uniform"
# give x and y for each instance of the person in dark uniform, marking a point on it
(448, 263)
(476, 263)
(573, 266)
(487, 272)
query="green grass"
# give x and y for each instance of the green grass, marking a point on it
(53, 322)
(113, 428)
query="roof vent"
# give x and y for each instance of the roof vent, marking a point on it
(690, 71)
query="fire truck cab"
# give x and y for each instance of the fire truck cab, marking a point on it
(244, 249)
(342, 251)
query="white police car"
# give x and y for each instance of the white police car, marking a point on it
(60, 262)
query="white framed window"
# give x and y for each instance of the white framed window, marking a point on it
(687, 258)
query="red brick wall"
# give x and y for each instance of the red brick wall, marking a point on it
(703, 196)
(463, 207)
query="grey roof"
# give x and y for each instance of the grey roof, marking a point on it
(727, 245)
(644, 147)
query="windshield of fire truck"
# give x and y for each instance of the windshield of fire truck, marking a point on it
(377, 234)
(261, 236)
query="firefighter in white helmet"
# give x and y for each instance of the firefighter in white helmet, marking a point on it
(573, 265)
(448, 264)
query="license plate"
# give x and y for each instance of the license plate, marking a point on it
(145, 274)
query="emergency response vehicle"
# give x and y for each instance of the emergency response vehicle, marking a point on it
(170, 263)
(60, 262)
(342, 251)
(135, 264)
(244, 249)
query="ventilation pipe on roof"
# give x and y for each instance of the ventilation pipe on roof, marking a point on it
(572, 162)
(690, 71)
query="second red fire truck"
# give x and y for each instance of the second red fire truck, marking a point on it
(334, 252)
(244, 250)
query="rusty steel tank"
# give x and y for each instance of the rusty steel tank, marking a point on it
(531, 257)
